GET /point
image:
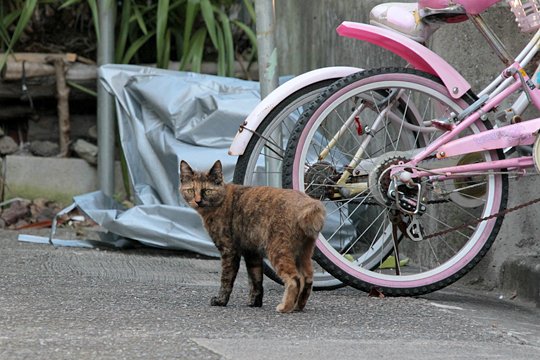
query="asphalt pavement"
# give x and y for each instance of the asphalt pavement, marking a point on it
(75, 303)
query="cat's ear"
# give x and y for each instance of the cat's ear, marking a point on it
(216, 173)
(186, 172)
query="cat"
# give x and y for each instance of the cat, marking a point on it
(257, 221)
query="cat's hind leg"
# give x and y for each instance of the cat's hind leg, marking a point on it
(254, 266)
(285, 266)
(306, 270)
(230, 263)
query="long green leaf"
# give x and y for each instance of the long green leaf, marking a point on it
(69, 3)
(26, 14)
(250, 9)
(121, 40)
(5, 22)
(135, 46)
(191, 13)
(196, 50)
(249, 32)
(208, 16)
(228, 49)
(95, 17)
(161, 29)
(167, 50)
(140, 20)
(10, 18)
(221, 61)
(82, 88)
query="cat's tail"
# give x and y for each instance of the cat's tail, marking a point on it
(311, 218)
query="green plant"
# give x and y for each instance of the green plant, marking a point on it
(19, 16)
(188, 31)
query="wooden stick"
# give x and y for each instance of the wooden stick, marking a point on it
(13, 70)
(62, 92)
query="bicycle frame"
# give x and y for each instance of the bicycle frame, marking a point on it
(499, 138)
(510, 80)
(522, 133)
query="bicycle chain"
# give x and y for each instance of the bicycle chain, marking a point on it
(479, 220)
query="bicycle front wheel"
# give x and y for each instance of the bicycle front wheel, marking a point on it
(262, 160)
(342, 150)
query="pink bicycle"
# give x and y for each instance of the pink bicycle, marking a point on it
(407, 161)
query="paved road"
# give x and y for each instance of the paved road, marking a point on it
(73, 303)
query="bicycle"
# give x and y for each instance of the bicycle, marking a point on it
(411, 170)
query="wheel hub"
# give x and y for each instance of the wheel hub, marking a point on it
(379, 178)
(319, 180)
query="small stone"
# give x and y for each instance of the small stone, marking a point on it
(92, 132)
(44, 148)
(86, 151)
(38, 206)
(16, 211)
(8, 145)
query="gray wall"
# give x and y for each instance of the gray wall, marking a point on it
(307, 40)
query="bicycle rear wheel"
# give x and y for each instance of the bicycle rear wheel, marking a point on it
(387, 113)
(261, 162)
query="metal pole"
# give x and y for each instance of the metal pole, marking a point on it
(105, 103)
(266, 46)
(268, 73)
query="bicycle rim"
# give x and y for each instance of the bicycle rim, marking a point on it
(356, 244)
(261, 163)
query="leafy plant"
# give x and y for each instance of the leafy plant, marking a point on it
(20, 16)
(188, 31)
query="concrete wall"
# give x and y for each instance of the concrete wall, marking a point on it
(55, 179)
(307, 40)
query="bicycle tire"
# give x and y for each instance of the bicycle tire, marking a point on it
(287, 110)
(362, 272)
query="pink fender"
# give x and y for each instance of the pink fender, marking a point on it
(417, 55)
(258, 114)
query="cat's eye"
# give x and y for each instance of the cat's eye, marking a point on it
(208, 192)
(190, 191)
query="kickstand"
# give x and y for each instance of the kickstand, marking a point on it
(396, 248)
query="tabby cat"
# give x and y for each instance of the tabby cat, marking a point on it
(253, 222)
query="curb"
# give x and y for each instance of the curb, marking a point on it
(521, 274)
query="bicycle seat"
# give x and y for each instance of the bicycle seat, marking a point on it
(418, 21)
(403, 18)
(470, 7)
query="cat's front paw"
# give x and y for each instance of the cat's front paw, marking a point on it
(216, 301)
(257, 302)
